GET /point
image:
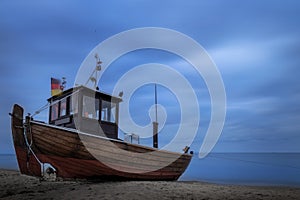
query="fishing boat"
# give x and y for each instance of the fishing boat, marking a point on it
(80, 141)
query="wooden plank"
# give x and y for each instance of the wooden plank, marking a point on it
(105, 145)
(107, 154)
(72, 156)
(133, 146)
(73, 166)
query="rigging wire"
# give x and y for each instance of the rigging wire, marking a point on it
(52, 103)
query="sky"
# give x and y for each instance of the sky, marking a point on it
(254, 44)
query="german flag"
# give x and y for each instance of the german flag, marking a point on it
(56, 87)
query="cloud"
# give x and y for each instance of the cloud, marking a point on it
(255, 47)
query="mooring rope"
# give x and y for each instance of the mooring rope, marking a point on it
(27, 143)
(27, 126)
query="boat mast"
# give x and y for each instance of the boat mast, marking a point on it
(155, 123)
(94, 75)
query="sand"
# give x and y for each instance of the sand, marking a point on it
(16, 186)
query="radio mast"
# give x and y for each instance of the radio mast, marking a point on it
(94, 76)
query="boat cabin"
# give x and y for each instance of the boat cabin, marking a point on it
(87, 110)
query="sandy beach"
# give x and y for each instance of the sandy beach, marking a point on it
(16, 186)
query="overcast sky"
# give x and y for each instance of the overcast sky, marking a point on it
(255, 45)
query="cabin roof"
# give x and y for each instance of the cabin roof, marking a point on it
(85, 90)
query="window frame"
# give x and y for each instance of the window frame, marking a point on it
(85, 111)
(110, 116)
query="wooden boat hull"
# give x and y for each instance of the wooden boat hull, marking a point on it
(80, 155)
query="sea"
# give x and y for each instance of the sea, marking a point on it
(263, 169)
(259, 169)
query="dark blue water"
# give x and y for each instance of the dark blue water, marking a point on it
(282, 169)
(8, 161)
(246, 168)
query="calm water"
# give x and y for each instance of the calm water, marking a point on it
(246, 168)
(8, 161)
(230, 168)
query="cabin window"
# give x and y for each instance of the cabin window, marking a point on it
(54, 111)
(108, 111)
(63, 107)
(90, 108)
(73, 104)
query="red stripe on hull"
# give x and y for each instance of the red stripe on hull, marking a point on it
(81, 168)
(27, 162)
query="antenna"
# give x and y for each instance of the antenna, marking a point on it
(155, 124)
(155, 91)
(94, 76)
(63, 84)
(98, 65)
